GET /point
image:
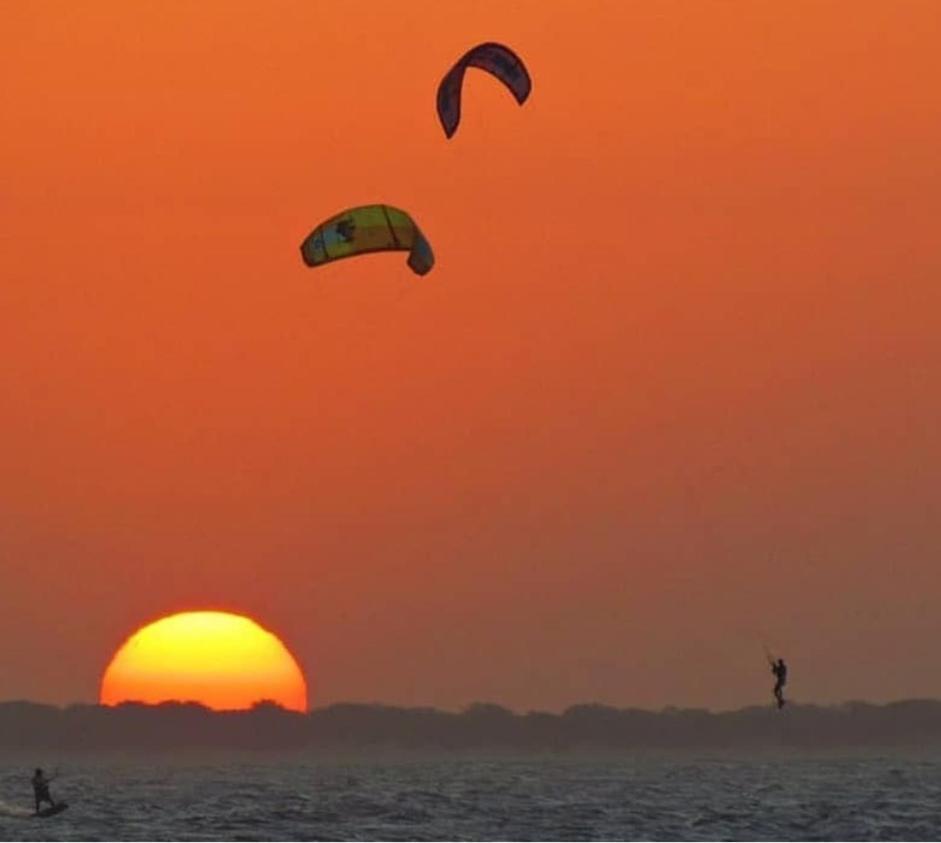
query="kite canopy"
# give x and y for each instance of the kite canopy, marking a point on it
(497, 60)
(368, 228)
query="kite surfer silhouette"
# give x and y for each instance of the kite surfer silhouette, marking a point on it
(779, 669)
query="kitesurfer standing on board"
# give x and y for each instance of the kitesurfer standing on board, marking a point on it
(779, 669)
(41, 789)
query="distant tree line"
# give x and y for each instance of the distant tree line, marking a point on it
(485, 727)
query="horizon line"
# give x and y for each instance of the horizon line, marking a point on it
(268, 704)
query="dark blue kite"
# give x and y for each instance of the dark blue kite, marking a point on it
(497, 60)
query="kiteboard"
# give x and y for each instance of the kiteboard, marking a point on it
(58, 808)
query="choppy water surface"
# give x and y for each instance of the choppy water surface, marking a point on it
(566, 799)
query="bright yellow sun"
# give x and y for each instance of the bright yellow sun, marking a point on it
(221, 660)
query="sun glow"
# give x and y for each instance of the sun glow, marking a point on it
(221, 660)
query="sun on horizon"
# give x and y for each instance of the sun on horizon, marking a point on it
(222, 660)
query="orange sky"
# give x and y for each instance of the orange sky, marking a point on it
(671, 388)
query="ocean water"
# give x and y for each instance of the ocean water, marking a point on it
(793, 798)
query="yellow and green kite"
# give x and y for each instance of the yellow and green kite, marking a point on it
(368, 228)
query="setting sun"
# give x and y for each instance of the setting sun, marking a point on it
(221, 660)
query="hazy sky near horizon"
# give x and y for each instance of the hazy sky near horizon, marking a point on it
(670, 392)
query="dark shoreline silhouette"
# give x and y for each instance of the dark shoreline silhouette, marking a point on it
(347, 727)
